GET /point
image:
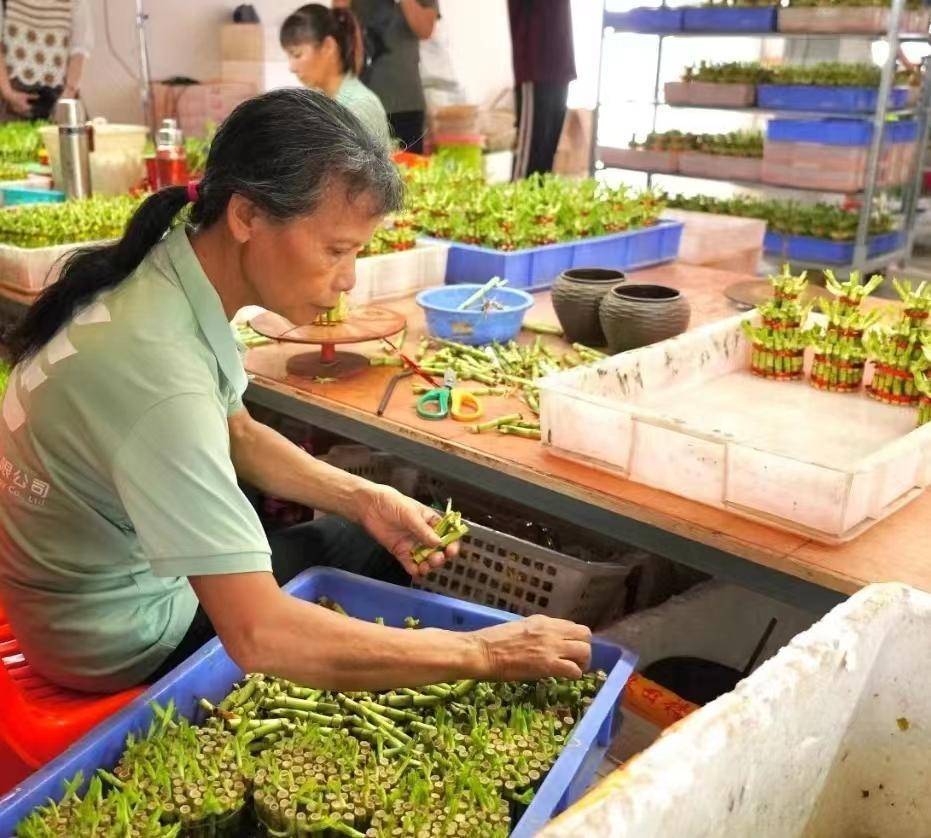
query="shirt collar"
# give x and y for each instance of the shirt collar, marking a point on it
(206, 305)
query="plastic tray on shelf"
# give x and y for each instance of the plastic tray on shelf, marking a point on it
(210, 673)
(815, 97)
(837, 19)
(707, 19)
(536, 268)
(811, 249)
(646, 20)
(841, 132)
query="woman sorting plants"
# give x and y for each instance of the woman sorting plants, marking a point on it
(125, 540)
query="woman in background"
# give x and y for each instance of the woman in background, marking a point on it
(323, 52)
(45, 45)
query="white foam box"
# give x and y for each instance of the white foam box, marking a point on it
(829, 738)
(31, 269)
(709, 238)
(687, 416)
(390, 276)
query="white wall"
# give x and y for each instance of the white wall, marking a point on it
(184, 42)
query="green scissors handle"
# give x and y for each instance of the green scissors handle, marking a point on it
(434, 404)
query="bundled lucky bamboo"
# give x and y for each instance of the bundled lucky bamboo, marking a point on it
(923, 385)
(840, 356)
(896, 350)
(778, 344)
(335, 315)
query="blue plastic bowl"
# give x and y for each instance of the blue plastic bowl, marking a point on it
(474, 327)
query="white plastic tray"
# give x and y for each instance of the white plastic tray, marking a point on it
(389, 276)
(686, 416)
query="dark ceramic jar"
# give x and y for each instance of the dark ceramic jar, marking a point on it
(638, 315)
(577, 295)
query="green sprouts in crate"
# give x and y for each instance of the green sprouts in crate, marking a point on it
(840, 356)
(456, 759)
(46, 225)
(778, 343)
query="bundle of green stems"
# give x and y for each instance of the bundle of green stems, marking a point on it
(778, 344)
(840, 355)
(450, 528)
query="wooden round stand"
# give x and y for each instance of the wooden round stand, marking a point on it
(364, 324)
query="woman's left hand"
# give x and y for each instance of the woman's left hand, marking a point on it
(400, 524)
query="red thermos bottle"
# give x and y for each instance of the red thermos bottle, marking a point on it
(170, 158)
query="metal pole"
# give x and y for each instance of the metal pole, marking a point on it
(593, 150)
(145, 82)
(659, 67)
(916, 180)
(887, 77)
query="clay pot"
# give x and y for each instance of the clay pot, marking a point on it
(638, 315)
(577, 295)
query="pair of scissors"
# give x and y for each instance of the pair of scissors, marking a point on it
(449, 400)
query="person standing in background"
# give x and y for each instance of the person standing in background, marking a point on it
(544, 64)
(393, 30)
(45, 45)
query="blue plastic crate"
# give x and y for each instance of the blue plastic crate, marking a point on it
(729, 19)
(13, 195)
(645, 19)
(838, 132)
(815, 97)
(537, 268)
(810, 249)
(210, 674)
(474, 327)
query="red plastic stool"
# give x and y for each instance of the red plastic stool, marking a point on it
(38, 719)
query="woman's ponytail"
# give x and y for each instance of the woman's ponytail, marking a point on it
(348, 36)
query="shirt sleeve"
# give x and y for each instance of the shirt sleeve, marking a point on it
(82, 28)
(175, 478)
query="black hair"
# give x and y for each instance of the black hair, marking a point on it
(312, 23)
(281, 150)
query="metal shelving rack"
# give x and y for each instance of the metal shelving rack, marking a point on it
(910, 192)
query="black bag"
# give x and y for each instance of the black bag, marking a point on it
(245, 13)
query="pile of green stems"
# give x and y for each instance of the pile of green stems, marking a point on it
(511, 364)
(893, 353)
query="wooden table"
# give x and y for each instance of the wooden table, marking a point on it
(789, 567)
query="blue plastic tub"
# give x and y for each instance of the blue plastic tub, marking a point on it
(210, 674)
(537, 268)
(810, 249)
(645, 19)
(729, 20)
(815, 97)
(13, 195)
(837, 132)
(474, 327)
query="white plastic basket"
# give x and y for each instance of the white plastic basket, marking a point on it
(389, 276)
(501, 571)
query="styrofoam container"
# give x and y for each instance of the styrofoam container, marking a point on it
(834, 19)
(687, 416)
(720, 166)
(31, 269)
(829, 738)
(116, 163)
(710, 93)
(712, 239)
(389, 276)
(641, 160)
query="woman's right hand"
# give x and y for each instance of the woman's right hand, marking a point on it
(536, 647)
(19, 102)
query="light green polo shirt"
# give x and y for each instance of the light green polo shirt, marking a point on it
(116, 476)
(365, 106)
